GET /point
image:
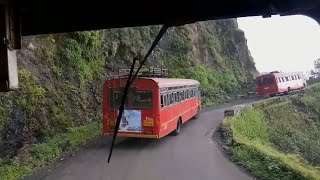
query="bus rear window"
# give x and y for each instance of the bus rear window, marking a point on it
(142, 99)
(115, 97)
(265, 81)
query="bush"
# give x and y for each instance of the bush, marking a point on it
(83, 50)
(48, 152)
(278, 138)
(252, 125)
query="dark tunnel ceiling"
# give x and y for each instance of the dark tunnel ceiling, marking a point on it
(43, 17)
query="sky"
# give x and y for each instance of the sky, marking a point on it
(286, 43)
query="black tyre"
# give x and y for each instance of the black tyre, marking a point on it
(176, 132)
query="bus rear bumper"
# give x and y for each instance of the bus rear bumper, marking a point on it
(152, 136)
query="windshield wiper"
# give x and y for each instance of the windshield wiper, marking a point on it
(129, 82)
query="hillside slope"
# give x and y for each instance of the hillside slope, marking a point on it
(61, 75)
(278, 138)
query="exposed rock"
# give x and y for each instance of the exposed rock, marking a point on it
(227, 135)
(62, 75)
(31, 46)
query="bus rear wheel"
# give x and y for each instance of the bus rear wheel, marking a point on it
(176, 132)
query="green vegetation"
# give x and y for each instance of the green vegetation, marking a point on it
(61, 78)
(220, 75)
(31, 92)
(44, 115)
(83, 50)
(278, 138)
(47, 152)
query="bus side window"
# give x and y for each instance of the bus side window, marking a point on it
(177, 96)
(172, 98)
(161, 101)
(167, 100)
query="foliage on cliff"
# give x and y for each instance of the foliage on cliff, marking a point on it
(61, 75)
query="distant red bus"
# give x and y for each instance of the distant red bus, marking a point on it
(155, 107)
(278, 83)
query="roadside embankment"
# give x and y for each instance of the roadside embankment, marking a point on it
(276, 138)
(34, 157)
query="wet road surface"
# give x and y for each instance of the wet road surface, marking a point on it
(192, 155)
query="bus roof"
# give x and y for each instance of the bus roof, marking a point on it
(280, 74)
(169, 82)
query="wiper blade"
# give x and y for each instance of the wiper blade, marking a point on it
(129, 82)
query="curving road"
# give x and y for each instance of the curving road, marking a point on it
(192, 155)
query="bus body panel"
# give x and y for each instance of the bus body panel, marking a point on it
(156, 121)
(169, 116)
(268, 85)
(148, 115)
(293, 85)
(277, 83)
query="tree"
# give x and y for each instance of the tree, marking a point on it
(315, 72)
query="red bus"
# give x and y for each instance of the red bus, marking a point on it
(155, 107)
(275, 83)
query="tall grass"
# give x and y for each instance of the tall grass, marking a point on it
(264, 137)
(252, 126)
(47, 152)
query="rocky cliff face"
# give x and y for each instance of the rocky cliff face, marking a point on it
(61, 75)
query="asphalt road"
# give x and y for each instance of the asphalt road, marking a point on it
(192, 155)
